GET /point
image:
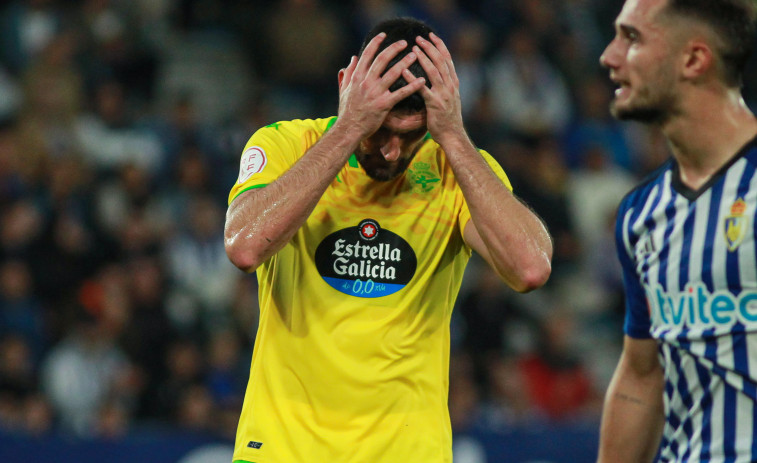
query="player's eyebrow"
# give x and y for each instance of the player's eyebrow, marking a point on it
(628, 30)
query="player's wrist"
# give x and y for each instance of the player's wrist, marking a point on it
(454, 141)
(351, 131)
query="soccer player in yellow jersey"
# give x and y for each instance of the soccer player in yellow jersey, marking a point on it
(359, 227)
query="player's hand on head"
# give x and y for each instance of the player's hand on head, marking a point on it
(443, 107)
(364, 95)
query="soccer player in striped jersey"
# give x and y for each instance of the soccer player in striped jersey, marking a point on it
(685, 388)
(359, 227)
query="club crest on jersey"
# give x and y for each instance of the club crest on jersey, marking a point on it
(365, 260)
(736, 224)
(422, 178)
(253, 162)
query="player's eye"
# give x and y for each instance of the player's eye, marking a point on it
(630, 34)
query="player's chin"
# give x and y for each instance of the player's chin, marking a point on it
(644, 114)
(622, 109)
(616, 110)
(383, 174)
(381, 170)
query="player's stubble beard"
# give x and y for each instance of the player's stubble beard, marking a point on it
(379, 169)
(653, 103)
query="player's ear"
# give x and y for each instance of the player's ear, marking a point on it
(697, 59)
(340, 77)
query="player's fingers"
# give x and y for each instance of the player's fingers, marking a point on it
(434, 76)
(366, 58)
(442, 47)
(395, 71)
(435, 56)
(378, 66)
(423, 90)
(414, 84)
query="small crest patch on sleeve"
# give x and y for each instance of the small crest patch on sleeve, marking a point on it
(253, 162)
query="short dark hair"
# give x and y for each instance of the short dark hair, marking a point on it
(408, 29)
(734, 23)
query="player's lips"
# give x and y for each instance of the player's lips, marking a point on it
(391, 156)
(622, 91)
(622, 87)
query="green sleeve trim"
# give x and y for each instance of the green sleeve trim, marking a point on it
(248, 188)
(332, 121)
(353, 159)
(242, 461)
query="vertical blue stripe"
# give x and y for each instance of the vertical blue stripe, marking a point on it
(712, 229)
(705, 378)
(683, 391)
(688, 237)
(670, 212)
(729, 425)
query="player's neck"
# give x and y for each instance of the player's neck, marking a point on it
(708, 134)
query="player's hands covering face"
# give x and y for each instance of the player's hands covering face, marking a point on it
(364, 96)
(443, 108)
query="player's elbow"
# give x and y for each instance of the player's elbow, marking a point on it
(239, 253)
(533, 276)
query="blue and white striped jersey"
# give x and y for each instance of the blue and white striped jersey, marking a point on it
(690, 270)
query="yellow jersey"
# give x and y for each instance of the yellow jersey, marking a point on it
(351, 359)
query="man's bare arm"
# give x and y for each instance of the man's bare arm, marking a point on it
(632, 419)
(261, 221)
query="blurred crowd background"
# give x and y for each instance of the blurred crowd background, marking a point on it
(121, 127)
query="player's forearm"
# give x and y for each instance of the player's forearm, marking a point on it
(632, 419)
(262, 221)
(518, 243)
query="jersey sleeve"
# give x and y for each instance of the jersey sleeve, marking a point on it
(464, 216)
(270, 152)
(637, 322)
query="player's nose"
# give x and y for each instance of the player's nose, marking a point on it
(391, 148)
(609, 57)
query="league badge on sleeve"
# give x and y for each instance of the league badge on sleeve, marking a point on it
(253, 162)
